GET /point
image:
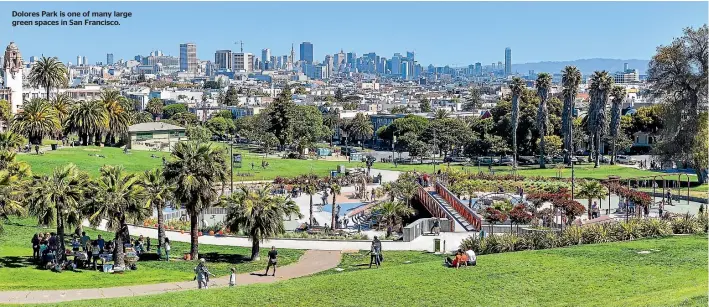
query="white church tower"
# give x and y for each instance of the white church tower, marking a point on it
(12, 66)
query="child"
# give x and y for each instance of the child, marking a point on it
(232, 278)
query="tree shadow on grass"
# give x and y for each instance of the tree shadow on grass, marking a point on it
(230, 258)
(15, 262)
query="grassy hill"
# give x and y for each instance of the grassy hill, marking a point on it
(673, 273)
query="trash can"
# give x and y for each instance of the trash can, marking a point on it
(54, 146)
(436, 245)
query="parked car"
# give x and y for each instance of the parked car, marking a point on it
(624, 159)
(507, 160)
(557, 159)
(487, 161)
(526, 161)
(456, 159)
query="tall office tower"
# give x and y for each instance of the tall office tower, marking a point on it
(478, 69)
(329, 64)
(242, 61)
(351, 58)
(222, 59)
(404, 70)
(109, 59)
(78, 60)
(273, 62)
(396, 64)
(306, 52)
(265, 55)
(257, 64)
(410, 58)
(85, 61)
(493, 67)
(340, 61)
(508, 61)
(188, 57)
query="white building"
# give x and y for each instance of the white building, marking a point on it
(242, 61)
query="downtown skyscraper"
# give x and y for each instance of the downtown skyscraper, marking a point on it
(306, 52)
(188, 57)
(508, 61)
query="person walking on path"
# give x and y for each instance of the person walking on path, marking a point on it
(272, 260)
(202, 274)
(232, 277)
(436, 229)
(167, 249)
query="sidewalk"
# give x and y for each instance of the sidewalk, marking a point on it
(310, 263)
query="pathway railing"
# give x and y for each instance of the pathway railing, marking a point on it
(468, 214)
(433, 207)
(424, 225)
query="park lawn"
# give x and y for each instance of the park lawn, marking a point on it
(139, 161)
(18, 272)
(612, 274)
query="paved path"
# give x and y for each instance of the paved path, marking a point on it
(310, 263)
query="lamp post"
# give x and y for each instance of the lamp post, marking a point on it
(393, 146)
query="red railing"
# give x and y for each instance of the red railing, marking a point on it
(468, 214)
(433, 207)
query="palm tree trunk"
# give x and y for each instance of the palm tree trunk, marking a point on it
(194, 237)
(332, 225)
(311, 211)
(589, 208)
(255, 249)
(597, 139)
(615, 139)
(120, 249)
(542, 144)
(514, 146)
(60, 232)
(161, 228)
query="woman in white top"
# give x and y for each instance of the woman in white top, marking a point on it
(167, 249)
(472, 259)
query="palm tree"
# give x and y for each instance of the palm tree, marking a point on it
(441, 114)
(592, 189)
(618, 93)
(86, 119)
(117, 112)
(335, 190)
(62, 104)
(155, 106)
(600, 86)
(195, 169)
(571, 78)
(360, 128)
(140, 117)
(543, 84)
(10, 195)
(59, 196)
(48, 73)
(120, 199)
(159, 193)
(10, 141)
(332, 121)
(37, 119)
(392, 214)
(517, 89)
(309, 184)
(258, 214)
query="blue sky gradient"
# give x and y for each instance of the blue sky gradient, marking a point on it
(448, 33)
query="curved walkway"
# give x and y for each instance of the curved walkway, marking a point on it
(310, 263)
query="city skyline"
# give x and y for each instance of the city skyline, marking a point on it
(570, 42)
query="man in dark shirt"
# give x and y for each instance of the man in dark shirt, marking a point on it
(101, 243)
(272, 260)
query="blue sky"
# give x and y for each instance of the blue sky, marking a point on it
(450, 33)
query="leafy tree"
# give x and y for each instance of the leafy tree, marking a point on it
(170, 110)
(447, 134)
(48, 73)
(392, 214)
(198, 133)
(159, 193)
(211, 85)
(425, 105)
(258, 214)
(300, 90)
(494, 216)
(618, 93)
(678, 74)
(600, 87)
(280, 114)
(399, 110)
(520, 215)
(225, 114)
(441, 114)
(232, 97)
(155, 107)
(185, 119)
(5, 112)
(307, 127)
(331, 120)
(195, 169)
(58, 197)
(473, 100)
(338, 95)
(543, 84)
(120, 199)
(38, 119)
(220, 126)
(401, 126)
(553, 145)
(571, 78)
(517, 89)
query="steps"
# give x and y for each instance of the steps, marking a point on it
(459, 219)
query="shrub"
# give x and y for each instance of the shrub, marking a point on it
(686, 224)
(571, 236)
(649, 228)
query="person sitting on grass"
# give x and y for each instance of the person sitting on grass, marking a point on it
(472, 258)
(460, 258)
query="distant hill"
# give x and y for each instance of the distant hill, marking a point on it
(586, 66)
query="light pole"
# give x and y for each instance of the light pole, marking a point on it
(231, 153)
(393, 146)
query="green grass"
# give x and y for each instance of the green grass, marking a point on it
(138, 161)
(612, 274)
(18, 272)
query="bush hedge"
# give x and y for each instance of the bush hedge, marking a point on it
(590, 234)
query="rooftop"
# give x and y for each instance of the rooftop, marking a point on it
(153, 126)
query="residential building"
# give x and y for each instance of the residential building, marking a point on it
(243, 62)
(188, 57)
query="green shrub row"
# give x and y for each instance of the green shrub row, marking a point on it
(590, 234)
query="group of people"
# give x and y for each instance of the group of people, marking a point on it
(46, 250)
(375, 252)
(467, 258)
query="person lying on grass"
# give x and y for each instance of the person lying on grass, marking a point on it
(460, 258)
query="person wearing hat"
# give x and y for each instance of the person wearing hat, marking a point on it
(202, 274)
